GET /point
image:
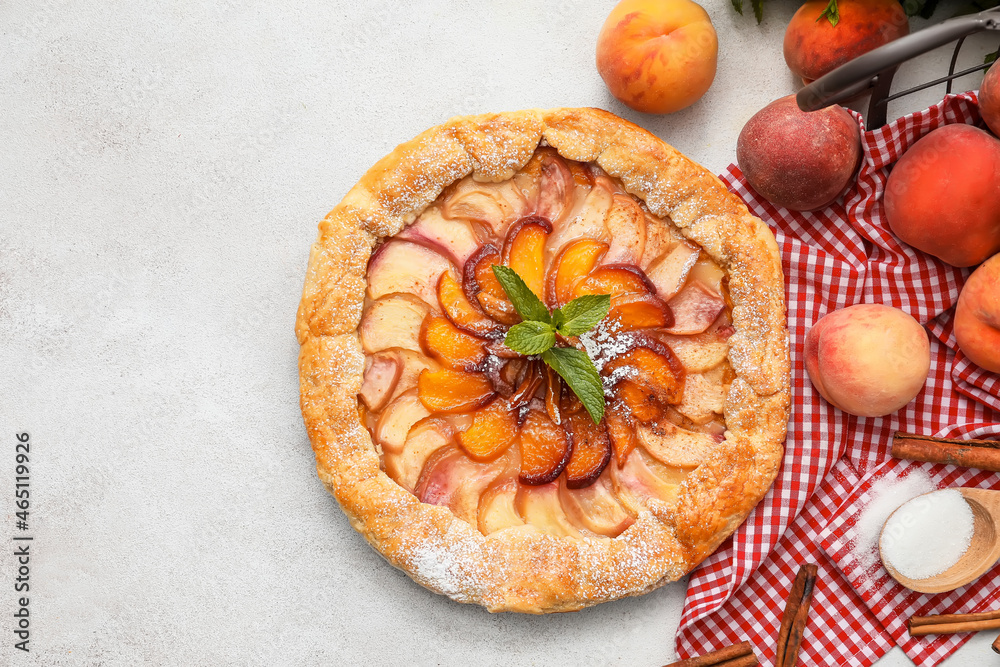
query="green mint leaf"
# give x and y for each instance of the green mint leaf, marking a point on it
(530, 337)
(738, 6)
(576, 368)
(758, 10)
(581, 314)
(831, 13)
(527, 305)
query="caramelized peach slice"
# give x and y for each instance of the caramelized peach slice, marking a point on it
(652, 366)
(450, 345)
(397, 419)
(496, 506)
(674, 446)
(553, 394)
(626, 224)
(455, 239)
(402, 266)
(524, 251)
(493, 431)
(529, 384)
(545, 449)
(621, 431)
(539, 506)
(426, 437)
(615, 279)
(381, 377)
(451, 480)
(449, 391)
(576, 260)
(555, 189)
(638, 311)
(481, 284)
(591, 450)
(641, 402)
(595, 508)
(462, 313)
(695, 308)
(393, 321)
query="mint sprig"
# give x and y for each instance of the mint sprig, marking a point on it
(537, 335)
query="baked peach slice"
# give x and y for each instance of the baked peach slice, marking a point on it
(480, 284)
(621, 431)
(595, 508)
(555, 189)
(527, 387)
(496, 506)
(451, 480)
(638, 311)
(455, 239)
(393, 321)
(591, 450)
(454, 348)
(493, 431)
(413, 364)
(626, 223)
(381, 377)
(426, 437)
(674, 446)
(669, 272)
(462, 313)
(494, 205)
(641, 403)
(397, 419)
(704, 396)
(575, 261)
(615, 279)
(587, 219)
(524, 251)
(695, 308)
(540, 507)
(451, 391)
(404, 266)
(545, 449)
(701, 352)
(650, 365)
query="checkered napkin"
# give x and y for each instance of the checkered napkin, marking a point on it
(837, 257)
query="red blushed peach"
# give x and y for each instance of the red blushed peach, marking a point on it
(943, 195)
(977, 316)
(869, 360)
(989, 99)
(802, 161)
(657, 56)
(814, 46)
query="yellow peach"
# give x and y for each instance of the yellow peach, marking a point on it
(869, 360)
(657, 56)
(977, 316)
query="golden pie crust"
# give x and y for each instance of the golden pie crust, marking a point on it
(520, 568)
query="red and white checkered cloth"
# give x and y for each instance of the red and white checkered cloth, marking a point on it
(835, 258)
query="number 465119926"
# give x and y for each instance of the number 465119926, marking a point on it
(21, 481)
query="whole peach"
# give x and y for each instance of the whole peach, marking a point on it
(977, 316)
(943, 195)
(657, 56)
(989, 99)
(814, 46)
(796, 159)
(869, 360)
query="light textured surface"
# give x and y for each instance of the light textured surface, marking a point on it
(162, 171)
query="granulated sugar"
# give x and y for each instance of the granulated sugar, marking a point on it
(884, 497)
(929, 534)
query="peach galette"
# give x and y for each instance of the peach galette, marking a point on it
(544, 361)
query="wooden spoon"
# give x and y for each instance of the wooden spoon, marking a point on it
(983, 551)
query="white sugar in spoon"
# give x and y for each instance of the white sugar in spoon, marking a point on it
(983, 551)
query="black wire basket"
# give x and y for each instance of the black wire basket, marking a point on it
(875, 70)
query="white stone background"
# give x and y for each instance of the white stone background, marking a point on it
(163, 167)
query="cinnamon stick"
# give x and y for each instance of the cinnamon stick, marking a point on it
(996, 645)
(795, 616)
(916, 621)
(982, 454)
(737, 655)
(952, 628)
